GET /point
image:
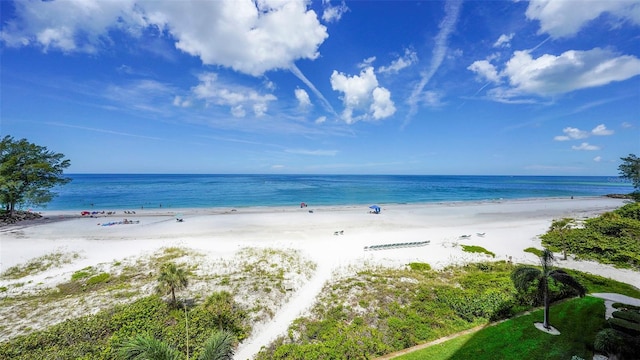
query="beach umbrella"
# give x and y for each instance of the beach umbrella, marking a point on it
(375, 208)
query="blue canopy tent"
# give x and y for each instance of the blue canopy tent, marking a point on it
(375, 208)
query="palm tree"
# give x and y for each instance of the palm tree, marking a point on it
(146, 347)
(172, 278)
(524, 276)
(219, 346)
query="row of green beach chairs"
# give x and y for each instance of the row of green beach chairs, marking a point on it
(397, 245)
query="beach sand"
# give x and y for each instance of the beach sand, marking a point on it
(333, 237)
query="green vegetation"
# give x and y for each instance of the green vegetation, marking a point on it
(39, 264)
(101, 336)
(612, 238)
(172, 278)
(28, 172)
(381, 310)
(578, 321)
(630, 170)
(534, 251)
(477, 249)
(525, 277)
(219, 346)
(419, 266)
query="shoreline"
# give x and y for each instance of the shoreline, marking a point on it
(213, 210)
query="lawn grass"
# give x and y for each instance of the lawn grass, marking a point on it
(578, 321)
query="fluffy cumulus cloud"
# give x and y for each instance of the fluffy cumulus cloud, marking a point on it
(251, 37)
(571, 133)
(333, 13)
(363, 99)
(303, 98)
(601, 130)
(564, 18)
(485, 70)
(550, 75)
(215, 92)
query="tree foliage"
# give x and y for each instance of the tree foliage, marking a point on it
(172, 278)
(219, 346)
(523, 277)
(28, 172)
(613, 237)
(630, 170)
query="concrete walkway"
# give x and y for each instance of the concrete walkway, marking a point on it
(611, 298)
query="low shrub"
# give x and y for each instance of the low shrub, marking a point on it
(625, 326)
(625, 306)
(98, 279)
(477, 249)
(419, 266)
(632, 316)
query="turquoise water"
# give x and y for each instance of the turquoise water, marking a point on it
(113, 191)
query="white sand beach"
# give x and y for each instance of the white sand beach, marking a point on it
(333, 237)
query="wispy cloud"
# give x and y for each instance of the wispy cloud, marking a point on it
(312, 152)
(294, 69)
(104, 131)
(452, 11)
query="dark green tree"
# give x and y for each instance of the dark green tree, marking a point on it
(172, 278)
(560, 227)
(630, 170)
(219, 346)
(525, 276)
(28, 172)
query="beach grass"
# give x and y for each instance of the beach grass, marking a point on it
(578, 321)
(40, 264)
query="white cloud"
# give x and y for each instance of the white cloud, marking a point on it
(627, 125)
(409, 58)
(382, 106)
(486, 70)
(214, 91)
(504, 40)
(571, 133)
(65, 20)
(550, 75)
(432, 98)
(601, 130)
(362, 94)
(564, 18)
(248, 36)
(586, 146)
(303, 98)
(333, 13)
(597, 158)
(572, 70)
(313, 152)
(452, 11)
(321, 119)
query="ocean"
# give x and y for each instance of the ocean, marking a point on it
(136, 191)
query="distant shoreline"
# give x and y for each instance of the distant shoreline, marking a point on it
(219, 210)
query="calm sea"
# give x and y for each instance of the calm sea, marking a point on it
(113, 191)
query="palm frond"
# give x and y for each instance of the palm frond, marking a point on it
(219, 346)
(146, 347)
(522, 277)
(561, 276)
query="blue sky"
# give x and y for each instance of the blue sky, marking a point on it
(329, 87)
